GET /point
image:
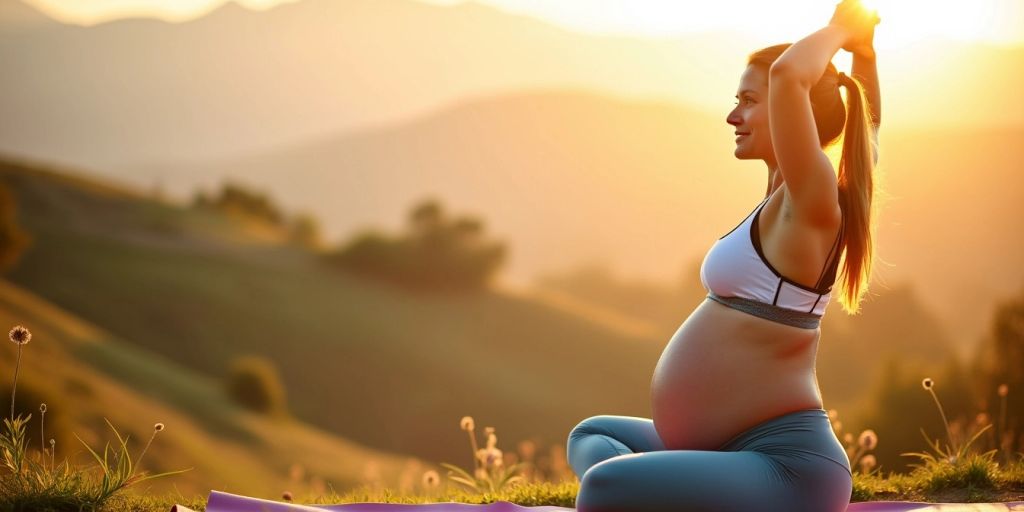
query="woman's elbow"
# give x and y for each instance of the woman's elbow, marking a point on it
(786, 75)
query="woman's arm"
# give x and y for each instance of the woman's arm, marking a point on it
(806, 169)
(866, 71)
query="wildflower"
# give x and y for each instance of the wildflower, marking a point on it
(431, 479)
(868, 440)
(1003, 390)
(287, 496)
(848, 438)
(488, 431)
(832, 414)
(981, 418)
(42, 426)
(928, 384)
(20, 335)
(156, 428)
(837, 425)
(467, 424)
(867, 462)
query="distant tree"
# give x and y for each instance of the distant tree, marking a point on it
(435, 253)
(425, 217)
(236, 199)
(999, 361)
(304, 231)
(13, 240)
(253, 383)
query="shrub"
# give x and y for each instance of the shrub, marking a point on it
(253, 383)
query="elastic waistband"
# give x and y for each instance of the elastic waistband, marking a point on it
(771, 312)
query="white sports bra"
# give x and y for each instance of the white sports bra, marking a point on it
(736, 273)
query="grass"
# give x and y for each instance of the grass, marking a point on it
(1003, 485)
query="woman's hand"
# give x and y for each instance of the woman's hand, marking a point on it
(859, 23)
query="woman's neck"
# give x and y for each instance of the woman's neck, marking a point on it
(774, 180)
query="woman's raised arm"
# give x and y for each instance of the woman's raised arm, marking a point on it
(808, 173)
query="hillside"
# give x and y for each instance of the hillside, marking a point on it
(85, 374)
(363, 361)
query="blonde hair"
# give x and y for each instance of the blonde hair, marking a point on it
(856, 168)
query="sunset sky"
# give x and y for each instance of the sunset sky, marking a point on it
(997, 21)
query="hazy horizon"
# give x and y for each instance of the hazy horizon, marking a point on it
(998, 22)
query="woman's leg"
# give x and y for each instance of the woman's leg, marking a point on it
(600, 438)
(790, 463)
(710, 481)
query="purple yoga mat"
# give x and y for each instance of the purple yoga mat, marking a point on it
(227, 502)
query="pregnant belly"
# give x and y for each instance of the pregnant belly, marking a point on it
(724, 371)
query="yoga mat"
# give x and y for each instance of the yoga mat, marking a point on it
(227, 502)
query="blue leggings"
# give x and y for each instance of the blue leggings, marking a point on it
(791, 463)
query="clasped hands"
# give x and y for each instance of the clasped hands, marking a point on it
(858, 22)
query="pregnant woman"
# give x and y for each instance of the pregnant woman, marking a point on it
(738, 421)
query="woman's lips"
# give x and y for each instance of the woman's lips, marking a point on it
(740, 136)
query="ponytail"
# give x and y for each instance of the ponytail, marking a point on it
(856, 189)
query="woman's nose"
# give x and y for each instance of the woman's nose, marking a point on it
(733, 119)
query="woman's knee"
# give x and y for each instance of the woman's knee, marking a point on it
(598, 491)
(591, 425)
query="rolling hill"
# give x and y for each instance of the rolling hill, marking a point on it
(86, 374)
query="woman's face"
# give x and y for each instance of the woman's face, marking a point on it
(750, 117)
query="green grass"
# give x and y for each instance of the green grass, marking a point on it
(1003, 484)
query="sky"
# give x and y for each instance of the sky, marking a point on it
(903, 21)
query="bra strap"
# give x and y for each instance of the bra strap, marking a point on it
(842, 227)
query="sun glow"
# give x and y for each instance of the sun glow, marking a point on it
(904, 22)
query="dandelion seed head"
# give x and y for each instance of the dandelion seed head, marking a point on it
(42, 407)
(1003, 390)
(837, 425)
(20, 335)
(488, 431)
(287, 496)
(981, 418)
(431, 479)
(466, 423)
(832, 414)
(848, 438)
(868, 439)
(927, 383)
(868, 461)
(158, 427)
